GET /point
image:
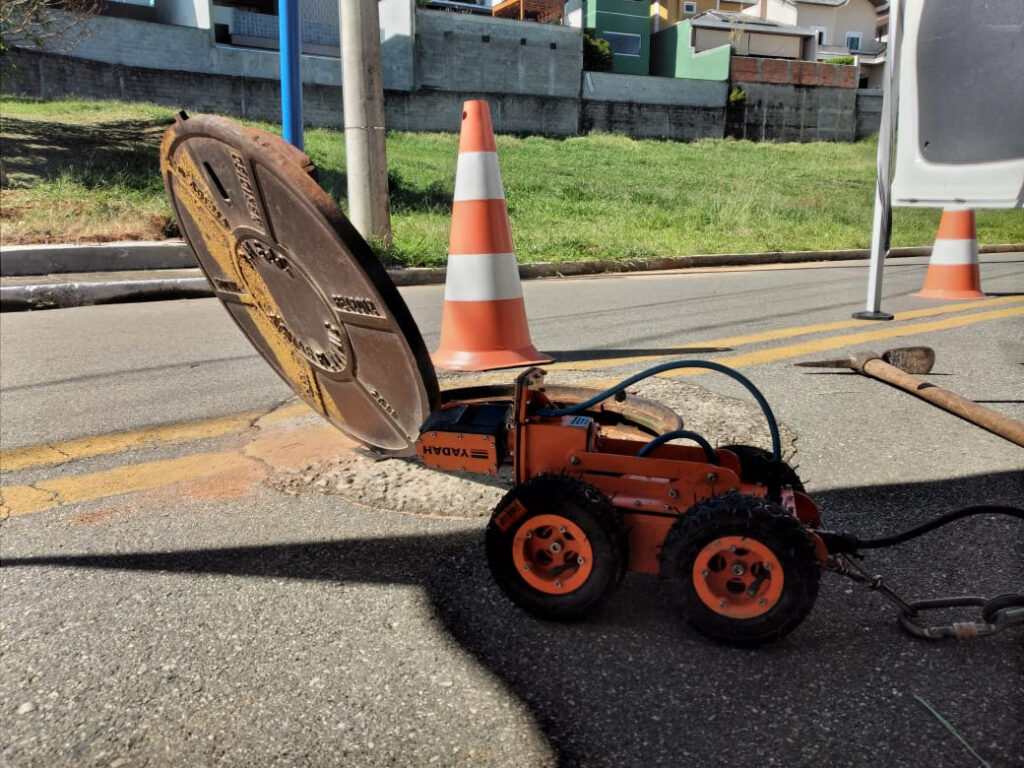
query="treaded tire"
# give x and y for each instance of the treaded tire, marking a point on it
(754, 518)
(756, 466)
(584, 507)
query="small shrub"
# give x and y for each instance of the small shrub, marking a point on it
(840, 60)
(597, 54)
(737, 97)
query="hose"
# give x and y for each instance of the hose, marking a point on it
(938, 522)
(773, 427)
(848, 544)
(709, 452)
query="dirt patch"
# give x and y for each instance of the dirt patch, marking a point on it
(97, 516)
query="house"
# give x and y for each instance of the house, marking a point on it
(665, 13)
(673, 55)
(754, 36)
(625, 24)
(844, 28)
(254, 24)
(481, 7)
(541, 11)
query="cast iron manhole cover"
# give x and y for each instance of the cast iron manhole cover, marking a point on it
(297, 278)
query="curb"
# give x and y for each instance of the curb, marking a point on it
(18, 295)
(61, 275)
(62, 258)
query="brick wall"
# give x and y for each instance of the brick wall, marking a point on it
(746, 69)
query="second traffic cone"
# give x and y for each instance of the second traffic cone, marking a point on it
(483, 325)
(953, 271)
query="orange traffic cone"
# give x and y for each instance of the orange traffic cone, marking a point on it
(953, 271)
(483, 325)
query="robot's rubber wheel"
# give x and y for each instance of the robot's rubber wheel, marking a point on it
(556, 547)
(747, 568)
(756, 466)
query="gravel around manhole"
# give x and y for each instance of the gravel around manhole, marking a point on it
(406, 486)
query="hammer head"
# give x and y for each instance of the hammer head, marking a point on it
(911, 359)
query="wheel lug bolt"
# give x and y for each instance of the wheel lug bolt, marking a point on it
(704, 572)
(723, 604)
(738, 569)
(558, 584)
(580, 561)
(732, 548)
(561, 529)
(529, 534)
(526, 568)
(762, 601)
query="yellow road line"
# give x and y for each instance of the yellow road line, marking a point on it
(27, 499)
(171, 434)
(49, 494)
(836, 342)
(786, 333)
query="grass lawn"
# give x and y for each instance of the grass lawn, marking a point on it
(89, 171)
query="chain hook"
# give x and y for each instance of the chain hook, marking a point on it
(998, 613)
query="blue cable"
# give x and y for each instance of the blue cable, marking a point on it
(766, 409)
(709, 452)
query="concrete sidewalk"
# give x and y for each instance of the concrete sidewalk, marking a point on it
(63, 275)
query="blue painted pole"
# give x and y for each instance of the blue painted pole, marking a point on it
(291, 71)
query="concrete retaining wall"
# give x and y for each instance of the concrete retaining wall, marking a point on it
(653, 121)
(795, 113)
(531, 74)
(48, 76)
(463, 52)
(869, 111)
(666, 91)
(132, 43)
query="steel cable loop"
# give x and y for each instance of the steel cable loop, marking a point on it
(993, 622)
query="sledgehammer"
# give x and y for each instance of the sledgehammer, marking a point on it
(893, 367)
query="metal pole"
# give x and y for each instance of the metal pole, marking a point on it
(366, 163)
(881, 223)
(291, 70)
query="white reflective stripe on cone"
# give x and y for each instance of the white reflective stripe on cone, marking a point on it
(477, 177)
(482, 277)
(953, 252)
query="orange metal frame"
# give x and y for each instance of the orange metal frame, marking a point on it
(651, 491)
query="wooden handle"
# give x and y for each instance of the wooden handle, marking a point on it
(997, 423)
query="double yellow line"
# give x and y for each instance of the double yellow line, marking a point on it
(48, 494)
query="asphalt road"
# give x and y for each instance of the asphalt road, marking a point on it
(228, 623)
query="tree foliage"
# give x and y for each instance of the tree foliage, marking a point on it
(597, 54)
(35, 22)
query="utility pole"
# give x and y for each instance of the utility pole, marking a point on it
(290, 47)
(365, 152)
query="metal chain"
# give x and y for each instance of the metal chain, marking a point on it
(993, 621)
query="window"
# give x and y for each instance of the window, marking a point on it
(149, 3)
(853, 41)
(623, 44)
(689, 7)
(821, 34)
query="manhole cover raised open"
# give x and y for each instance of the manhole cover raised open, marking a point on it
(299, 281)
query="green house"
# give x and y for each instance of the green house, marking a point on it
(673, 55)
(626, 25)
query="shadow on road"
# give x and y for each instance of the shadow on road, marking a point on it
(634, 686)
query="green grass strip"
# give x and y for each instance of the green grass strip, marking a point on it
(88, 170)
